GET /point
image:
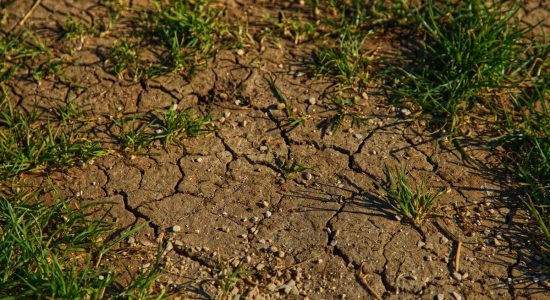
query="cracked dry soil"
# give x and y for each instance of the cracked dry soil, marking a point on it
(323, 236)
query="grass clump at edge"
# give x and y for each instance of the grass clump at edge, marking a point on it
(470, 53)
(28, 143)
(56, 250)
(478, 65)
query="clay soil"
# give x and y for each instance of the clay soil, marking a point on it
(322, 233)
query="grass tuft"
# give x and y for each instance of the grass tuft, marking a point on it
(187, 30)
(415, 203)
(123, 59)
(345, 61)
(170, 127)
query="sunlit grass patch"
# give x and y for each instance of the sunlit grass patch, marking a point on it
(170, 127)
(28, 143)
(56, 250)
(415, 202)
(187, 30)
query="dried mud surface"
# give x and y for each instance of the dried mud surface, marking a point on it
(328, 236)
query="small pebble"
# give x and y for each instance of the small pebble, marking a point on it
(263, 148)
(440, 297)
(443, 240)
(176, 228)
(267, 214)
(311, 101)
(281, 106)
(271, 287)
(420, 244)
(264, 204)
(456, 295)
(260, 266)
(358, 136)
(333, 243)
(240, 52)
(307, 176)
(457, 276)
(131, 240)
(405, 112)
(169, 246)
(199, 159)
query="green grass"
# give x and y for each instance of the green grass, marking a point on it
(527, 138)
(17, 50)
(169, 127)
(470, 52)
(346, 109)
(416, 203)
(52, 67)
(476, 66)
(292, 117)
(295, 29)
(188, 31)
(72, 29)
(29, 143)
(290, 167)
(54, 251)
(345, 60)
(123, 60)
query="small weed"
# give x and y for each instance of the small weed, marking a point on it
(133, 135)
(72, 29)
(175, 125)
(16, 52)
(345, 60)
(296, 29)
(346, 108)
(123, 59)
(228, 277)
(53, 66)
(68, 112)
(528, 140)
(416, 203)
(289, 167)
(293, 119)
